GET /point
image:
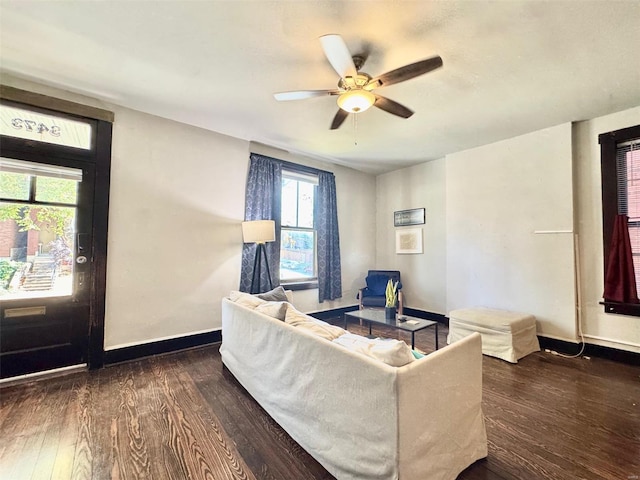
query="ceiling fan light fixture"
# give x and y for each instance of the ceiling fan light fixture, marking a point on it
(356, 101)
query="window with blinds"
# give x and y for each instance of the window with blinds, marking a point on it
(628, 175)
(620, 169)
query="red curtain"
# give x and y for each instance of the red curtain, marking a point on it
(620, 279)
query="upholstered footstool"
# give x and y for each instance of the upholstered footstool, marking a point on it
(506, 335)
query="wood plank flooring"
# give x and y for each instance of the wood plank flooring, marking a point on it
(184, 416)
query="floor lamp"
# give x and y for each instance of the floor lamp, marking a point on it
(259, 232)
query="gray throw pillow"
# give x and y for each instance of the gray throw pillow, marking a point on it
(276, 295)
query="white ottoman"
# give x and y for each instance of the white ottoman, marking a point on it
(506, 335)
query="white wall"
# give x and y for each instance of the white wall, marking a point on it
(617, 331)
(423, 275)
(482, 208)
(176, 204)
(498, 195)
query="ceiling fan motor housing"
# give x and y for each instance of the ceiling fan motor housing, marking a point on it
(357, 82)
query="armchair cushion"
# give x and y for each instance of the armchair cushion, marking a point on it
(374, 301)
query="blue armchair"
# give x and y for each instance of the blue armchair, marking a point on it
(373, 295)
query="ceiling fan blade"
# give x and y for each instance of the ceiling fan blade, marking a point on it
(392, 107)
(302, 94)
(407, 72)
(339, 119)
(338, 55)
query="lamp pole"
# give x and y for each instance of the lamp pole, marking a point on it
(257, 268)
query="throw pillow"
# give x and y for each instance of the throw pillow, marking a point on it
(417, 354)
(245, 299)
(392, 352)
(276, 295)
(273, 309)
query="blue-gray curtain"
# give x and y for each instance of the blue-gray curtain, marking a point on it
(326, 217)
(262, 202)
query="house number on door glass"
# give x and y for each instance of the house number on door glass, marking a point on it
(33, 126)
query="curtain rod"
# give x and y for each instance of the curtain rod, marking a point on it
(297, 166)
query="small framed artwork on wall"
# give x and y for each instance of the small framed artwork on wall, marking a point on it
(409, 240)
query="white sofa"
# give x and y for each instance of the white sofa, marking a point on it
(357, 416)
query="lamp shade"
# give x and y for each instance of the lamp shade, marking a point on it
(355, 101)
(259, 231)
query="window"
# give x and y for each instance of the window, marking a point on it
(298, 235)
(302, 201)
(620, 159)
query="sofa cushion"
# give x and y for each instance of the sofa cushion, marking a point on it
(313, 325)
(245, 299)
(390, 351)
(295, 317)
(377, 284)
(273, 309)
(278, 294)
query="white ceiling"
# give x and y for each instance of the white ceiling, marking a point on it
(510, 67)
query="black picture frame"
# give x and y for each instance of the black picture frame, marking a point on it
(414, 216)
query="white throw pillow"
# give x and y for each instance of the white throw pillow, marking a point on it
(245, 299)
(313, 325)
(390, 351)
(273, 309)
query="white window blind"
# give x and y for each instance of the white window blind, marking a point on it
(628, 174)
(39, 169)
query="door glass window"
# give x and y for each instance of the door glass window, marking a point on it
(38, 206)
(56, 190)
(15, 186)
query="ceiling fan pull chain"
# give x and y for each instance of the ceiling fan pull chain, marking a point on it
(355, 129)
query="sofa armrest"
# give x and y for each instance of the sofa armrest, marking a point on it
(449, 382)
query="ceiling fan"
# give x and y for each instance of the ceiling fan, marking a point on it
(355, 87)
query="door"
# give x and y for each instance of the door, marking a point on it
(48, 278)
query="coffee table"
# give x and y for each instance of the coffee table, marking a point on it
(408, 324)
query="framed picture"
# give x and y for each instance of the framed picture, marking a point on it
(402, 218)
(409, 240)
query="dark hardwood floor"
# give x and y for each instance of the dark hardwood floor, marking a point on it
(183, 416)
